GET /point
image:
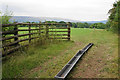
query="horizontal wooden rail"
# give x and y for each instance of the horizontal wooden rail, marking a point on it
(58, 34)
(10, 44)
(29, 34)
(13, 49)
(29, 29)
(9, 32)
(7, 38)
(7, 25)
(59, 38)
(11, 37)
(57, 31)
(58, 28)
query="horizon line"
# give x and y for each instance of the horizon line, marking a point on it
(61, 18)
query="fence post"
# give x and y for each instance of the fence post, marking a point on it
(68, 25)
(29, 32)
(47, 30)
(16, 34)
(40, 28)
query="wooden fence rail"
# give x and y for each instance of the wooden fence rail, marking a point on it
(13, 39)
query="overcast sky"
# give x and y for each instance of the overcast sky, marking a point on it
(83, 10)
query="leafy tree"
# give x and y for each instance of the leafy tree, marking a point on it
(75, 26)
(98, 25)
(6, 16)
(81, 25)
(86, 25)
(5, 20)
(108, 25)
(62, 23)
(50, 22)
(114, 17)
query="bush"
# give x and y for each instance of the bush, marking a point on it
(5, 20)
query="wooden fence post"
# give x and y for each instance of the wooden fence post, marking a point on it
(47, 30)
(16, 34)
(29, 32)
(68, 31)
(40, 29)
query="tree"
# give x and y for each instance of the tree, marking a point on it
(6, 16)
(5, 19)
(62, 23)
(98, 25)
(114, 19)
(86, 25)
(80, 25)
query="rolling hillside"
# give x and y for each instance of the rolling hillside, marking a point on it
(42, 19)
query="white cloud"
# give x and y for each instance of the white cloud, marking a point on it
(72, 9)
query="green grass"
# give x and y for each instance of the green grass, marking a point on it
(21, 63)
(45, 61)
(105, 49)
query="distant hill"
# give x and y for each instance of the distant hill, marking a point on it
(37, 19)
(42, 19)
(104, 21)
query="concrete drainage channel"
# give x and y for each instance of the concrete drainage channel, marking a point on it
(68, 67)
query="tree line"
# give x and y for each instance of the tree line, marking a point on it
(78, 24)
(89, 25)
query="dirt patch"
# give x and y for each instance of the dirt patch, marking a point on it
(91, 64)
(36, 69)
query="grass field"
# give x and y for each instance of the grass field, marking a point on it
(45, 61)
